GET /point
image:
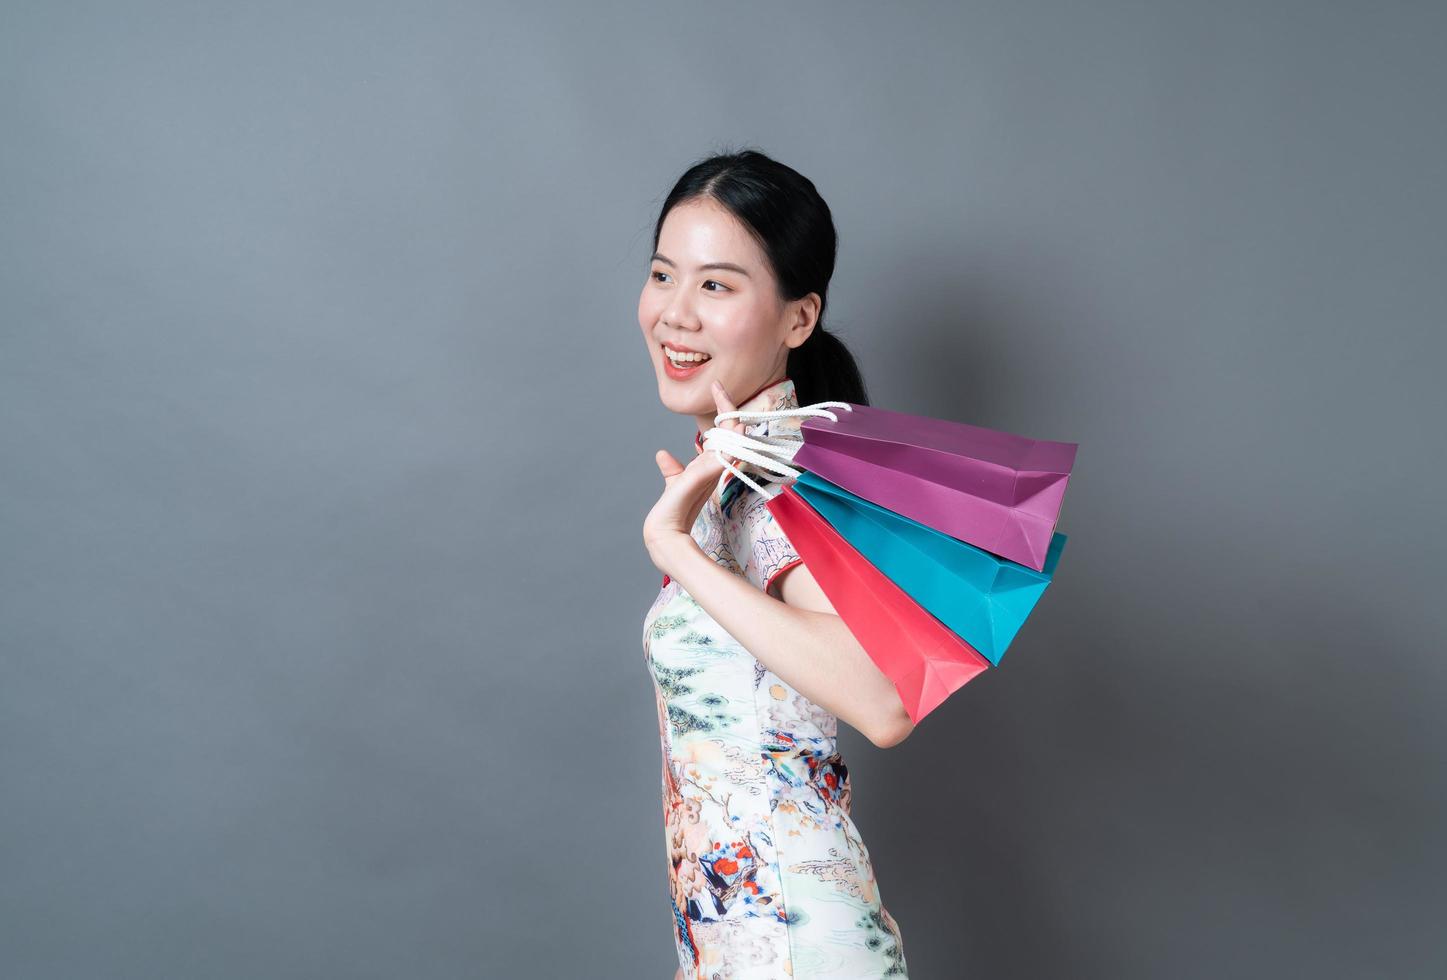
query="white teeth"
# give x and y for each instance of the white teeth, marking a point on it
(678, 358)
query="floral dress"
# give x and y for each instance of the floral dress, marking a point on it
(768, 876)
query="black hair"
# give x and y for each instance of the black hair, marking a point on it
(792, 224)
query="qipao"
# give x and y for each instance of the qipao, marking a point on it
(768, 876)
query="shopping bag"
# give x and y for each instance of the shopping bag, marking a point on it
(997, 491)
(925, 660)
(980, 596)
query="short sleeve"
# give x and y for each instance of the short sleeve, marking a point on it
(759, 546)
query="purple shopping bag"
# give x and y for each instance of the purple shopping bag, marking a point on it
(994, 490)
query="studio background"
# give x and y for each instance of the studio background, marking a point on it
(327, 433)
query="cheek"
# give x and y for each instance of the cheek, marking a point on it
(650, 308)
(744, 330)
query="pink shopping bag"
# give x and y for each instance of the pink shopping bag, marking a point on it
(997, 491)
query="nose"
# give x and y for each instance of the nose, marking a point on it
(679, 314)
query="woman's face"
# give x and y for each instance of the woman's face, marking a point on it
(710, 289)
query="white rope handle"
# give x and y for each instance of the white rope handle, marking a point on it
(731, 468)
(754, 449)
(771, 454)
(781, 413)
(721, 441)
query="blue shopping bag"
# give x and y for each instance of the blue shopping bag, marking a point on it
(979, 596)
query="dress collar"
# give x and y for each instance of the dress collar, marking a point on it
(771, 397)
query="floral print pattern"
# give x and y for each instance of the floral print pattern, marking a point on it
(768, 876)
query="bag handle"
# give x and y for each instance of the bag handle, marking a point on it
(723, 442)
(755, 449)
(779, 413)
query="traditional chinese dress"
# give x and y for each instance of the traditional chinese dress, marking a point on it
(768, 875)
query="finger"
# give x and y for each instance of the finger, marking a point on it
(725, 404)
(667, 465)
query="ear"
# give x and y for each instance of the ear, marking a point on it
(806, 315)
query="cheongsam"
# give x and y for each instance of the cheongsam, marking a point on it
(768, 876)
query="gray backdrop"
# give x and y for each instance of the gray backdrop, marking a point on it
(326, 435)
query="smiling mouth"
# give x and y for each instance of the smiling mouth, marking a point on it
(685, 361)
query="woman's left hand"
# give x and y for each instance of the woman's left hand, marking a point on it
(685, 490)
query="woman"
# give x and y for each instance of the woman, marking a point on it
(751, 665)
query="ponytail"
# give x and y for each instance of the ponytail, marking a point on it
(823, 370)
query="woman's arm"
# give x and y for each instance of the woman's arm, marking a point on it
(801, 639)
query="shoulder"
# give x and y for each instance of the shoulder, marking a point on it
(758, 543)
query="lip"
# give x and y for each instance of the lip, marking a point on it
(682, 373)
(682, 349)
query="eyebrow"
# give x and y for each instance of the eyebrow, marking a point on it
(729, 266)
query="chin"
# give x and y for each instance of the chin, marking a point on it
(692, 397)
(676, 401)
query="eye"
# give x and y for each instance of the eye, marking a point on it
(716, 283)
(655, 274)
